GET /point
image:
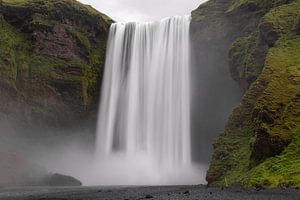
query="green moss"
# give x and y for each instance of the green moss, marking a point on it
(254, 4)
(279, 99)
(54, 4)
(39, 20)
(13, 47)
(14, 2)
(205, 11)
(281, 64)
(88, 80)
(81, 38)
(284, 18)
(279, 171)
(238, 147)
(260, 146)
(247, 58)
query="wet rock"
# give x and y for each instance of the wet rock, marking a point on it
(259, 188)
(149, 196)
(238, 187)
(298, 27)
(266, 146)
(187, 192)
(268, 33)
(63, 180)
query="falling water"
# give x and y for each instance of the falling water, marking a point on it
(144, 119)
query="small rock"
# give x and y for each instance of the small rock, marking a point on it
(149, 197)
(259, 188)
(186, 192)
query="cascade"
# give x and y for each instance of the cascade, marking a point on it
(143, 134)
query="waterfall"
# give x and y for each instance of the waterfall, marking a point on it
(143, 134)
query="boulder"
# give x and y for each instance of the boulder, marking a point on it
(63, 180)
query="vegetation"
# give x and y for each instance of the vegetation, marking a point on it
(260, 145)
(12, 50)
(50, 5)
(51, 55)
(247, 56)
(279, 171)
(254, 4)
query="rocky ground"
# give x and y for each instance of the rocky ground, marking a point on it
(139, 193)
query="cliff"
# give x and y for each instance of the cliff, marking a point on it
(51, 59)
(260, 145)
(51, 64)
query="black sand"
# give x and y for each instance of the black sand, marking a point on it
(139, 193)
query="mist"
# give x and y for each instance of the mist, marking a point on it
(32, 163)
(214, 93)
(29, 160)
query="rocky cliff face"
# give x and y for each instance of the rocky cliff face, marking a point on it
(51, 62)
(51, 59)
(260, 145)
(215, 93)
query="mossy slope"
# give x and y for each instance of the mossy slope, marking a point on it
(260, 144)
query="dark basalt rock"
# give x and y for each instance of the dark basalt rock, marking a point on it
(148, 196)
(266, 146)
(63, 180)
(298, 27)
(268, 33)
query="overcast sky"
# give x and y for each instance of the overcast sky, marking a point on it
(143, 10)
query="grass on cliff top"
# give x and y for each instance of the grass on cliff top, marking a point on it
(50, 4)
(254, 4)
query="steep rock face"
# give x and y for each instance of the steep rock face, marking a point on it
(214, 93)
(260, 144)
(51, 59)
